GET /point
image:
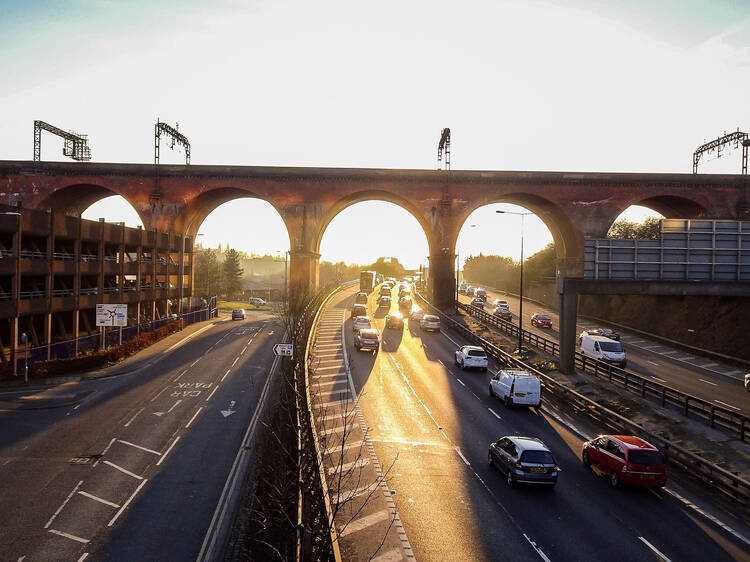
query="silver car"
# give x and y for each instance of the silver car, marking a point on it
(524, 459)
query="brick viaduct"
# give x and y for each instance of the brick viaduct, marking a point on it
(572, 205)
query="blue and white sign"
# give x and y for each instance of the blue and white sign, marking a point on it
(283, 349)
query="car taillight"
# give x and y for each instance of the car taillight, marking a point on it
(518, 465)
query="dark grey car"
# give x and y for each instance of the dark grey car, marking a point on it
(524, 459)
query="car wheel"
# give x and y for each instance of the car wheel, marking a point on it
(492, 394)
(484, 369)
(509, 479)
(585, 459)
(455, 359)
(614, 480)
(506, 401)
(489, 459)
(463, 366)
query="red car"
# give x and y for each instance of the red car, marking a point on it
(541, 320)
(627, 460)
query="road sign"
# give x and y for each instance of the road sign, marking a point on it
(111, 314)
(283, 349)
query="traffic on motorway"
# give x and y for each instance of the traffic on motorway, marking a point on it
(688, 373)
(483, 448)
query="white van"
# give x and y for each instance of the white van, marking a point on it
(516, 387)
(603, 349)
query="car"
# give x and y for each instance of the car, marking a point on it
(524, 459)
(471, 356)
(430, 322)
(394, 321)
(606, 332)
(416, 314)
(403, 291)
(470, 291)
(541, 320)
(385, 290)
(384, 301)
(502, 312)
(404, 303)
(747, 382)
(462, 288)
(476, 301)
(367, 339)
(257, 301)
(480, 294)
(626, 459)
(604, 349)
(516, 387)
(359, 310)
(500, 302)
(238, 314)
(361, 323)
(361, 298)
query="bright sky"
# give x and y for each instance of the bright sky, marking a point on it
(591, 85)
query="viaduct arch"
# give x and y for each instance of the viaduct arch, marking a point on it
(572, 205)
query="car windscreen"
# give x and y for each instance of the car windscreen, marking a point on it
(650, 458)
(476, 353)
(613, 346)
(368, 334)
(430, 318)
(543, 317)
(540, 457)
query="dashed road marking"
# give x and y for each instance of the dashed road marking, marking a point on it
(212, 393)
(124, 470)
(139, 447)
(653, 362)
(59, 509)
(195, 415)
(463, 458)
(364, 522)
(462, 382)
(708, 382)
(164, 456)
(654, 549)
(342, 468)
(127, 503)
(98, 499)
(494, 413)
(159, 394)
(68, 536)
(180, 375)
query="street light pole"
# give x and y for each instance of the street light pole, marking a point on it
(520, 291)
(25, 342)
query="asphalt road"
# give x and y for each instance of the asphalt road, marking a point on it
(431, 425)
(131, 467)
(659, 362)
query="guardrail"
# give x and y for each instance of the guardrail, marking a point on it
(732, 485)
(719, 417)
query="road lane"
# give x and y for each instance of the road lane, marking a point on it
(649, 359)
(124, 433)
(423, 411)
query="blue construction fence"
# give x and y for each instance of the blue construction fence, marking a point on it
(67, 349)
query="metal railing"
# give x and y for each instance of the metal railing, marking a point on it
(719, 417)
(728, 483)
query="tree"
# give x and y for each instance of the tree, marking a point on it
(232, 273)
(649, 229)
(540, 266)
(387, 267)
(204, 273)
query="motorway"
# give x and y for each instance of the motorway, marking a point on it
(691, 374)
(131, 467)
(431, 423)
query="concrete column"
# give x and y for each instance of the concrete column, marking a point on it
(442, 278)
(303, 273)
(48, 334)
(568, 314)
(76, 327)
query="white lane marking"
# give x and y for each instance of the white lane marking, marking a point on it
(104, 452)
(727, 405)
(364, 522)
(76, 406)
(684, 358)
(133, 418)
(426, 408)
(59, 509)
(139, 447)
(195, 415)
(341, 447)
(194, 363)
(708, 365)
(127, 503)
(69, 536)
(708, 382)
(225, 375)
(212, 393)
(657, 378)
(83, 557)
(164, 456)
(157, 396)
(707, 515)
(100, 500)
(463, 458)
(668, 353)
(653, 362)
(234, 362)
(174, 406)
(651, 347)
(462, 382)
(343, 468)
(186, 338)
(535, 547)
(123, 470)
(180, 375)
(656, 551)
(494, 413)
(244, 349)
